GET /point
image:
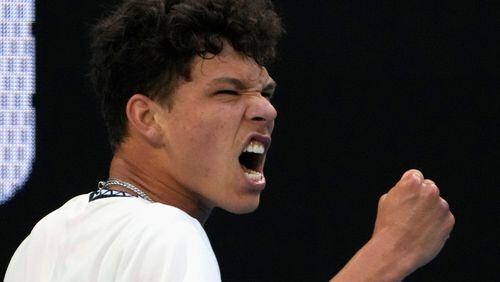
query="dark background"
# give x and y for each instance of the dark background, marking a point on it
(366, 91)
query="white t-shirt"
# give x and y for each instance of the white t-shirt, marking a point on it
(125, 239)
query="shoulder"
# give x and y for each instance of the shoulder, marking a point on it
(54, 219)
(166, 242)
(160, 218)
(165, 228)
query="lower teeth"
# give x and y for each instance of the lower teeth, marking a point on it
(254, 175)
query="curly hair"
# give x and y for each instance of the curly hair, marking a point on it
(147, 46)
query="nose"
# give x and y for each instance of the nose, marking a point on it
(261, 110)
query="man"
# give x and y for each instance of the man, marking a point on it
(187, 103)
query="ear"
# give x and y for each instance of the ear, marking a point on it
(141, 112)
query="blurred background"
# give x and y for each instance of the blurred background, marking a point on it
(366, 91)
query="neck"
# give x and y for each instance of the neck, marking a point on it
(140, 170)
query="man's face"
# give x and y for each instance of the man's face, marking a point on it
(218, 130)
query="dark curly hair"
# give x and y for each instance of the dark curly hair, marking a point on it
(147, 46)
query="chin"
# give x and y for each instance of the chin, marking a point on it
(242, 206)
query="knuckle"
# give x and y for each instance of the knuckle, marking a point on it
(432, 186)
(411, 173)
(415, 171)
(429, 182)
(452, 219)
(450, 222)
(445, 205)
(430, 191)
(413, 180)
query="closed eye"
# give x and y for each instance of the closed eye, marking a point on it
(267, 95)
(228, 92)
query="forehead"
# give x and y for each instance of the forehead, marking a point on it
(229, 64)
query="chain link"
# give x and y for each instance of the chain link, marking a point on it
(113, 181)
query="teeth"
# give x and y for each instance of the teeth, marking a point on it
(255, 176)
(255, 147)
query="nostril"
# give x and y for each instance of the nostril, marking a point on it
(258, 119)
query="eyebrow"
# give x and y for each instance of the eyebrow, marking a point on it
(271, 86)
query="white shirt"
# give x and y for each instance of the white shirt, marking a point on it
(125, 239)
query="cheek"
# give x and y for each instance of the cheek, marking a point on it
(205, 129)
(216, 126)
(206, 141)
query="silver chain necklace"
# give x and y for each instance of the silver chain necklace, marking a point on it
(113, 181)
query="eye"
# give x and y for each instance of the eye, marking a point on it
(227, 92)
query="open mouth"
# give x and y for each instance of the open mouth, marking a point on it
(252, 160)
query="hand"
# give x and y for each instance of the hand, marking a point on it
(414, 220)
(412, 225)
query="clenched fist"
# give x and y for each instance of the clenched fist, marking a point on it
(414, 219)
(413, 223)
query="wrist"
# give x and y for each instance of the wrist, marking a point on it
(391, 263)
(380, 259)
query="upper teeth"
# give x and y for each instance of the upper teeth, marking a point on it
(255, 147)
